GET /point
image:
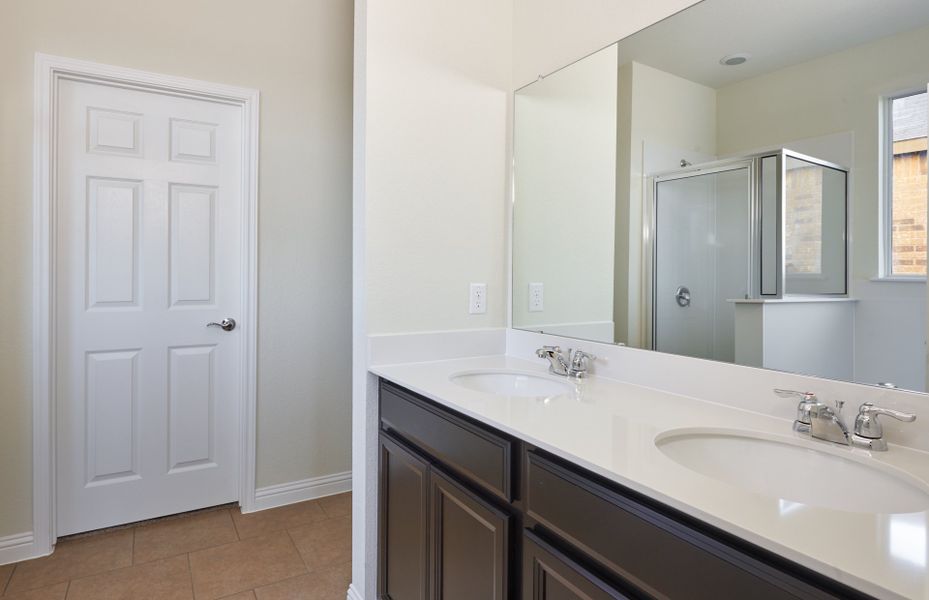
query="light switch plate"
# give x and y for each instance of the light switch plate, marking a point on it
(477, 304)
(536, 297)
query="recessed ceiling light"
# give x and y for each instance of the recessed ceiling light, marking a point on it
(731, 60)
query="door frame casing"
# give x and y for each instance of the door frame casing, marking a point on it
(49, 71)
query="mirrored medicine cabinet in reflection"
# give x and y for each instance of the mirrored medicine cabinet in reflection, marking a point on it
(744, 181)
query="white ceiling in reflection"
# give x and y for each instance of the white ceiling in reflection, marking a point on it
(776, 33)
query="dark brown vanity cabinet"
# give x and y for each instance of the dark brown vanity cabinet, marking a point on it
(468, 513)
(443, 534)
(654, 551)
(550, 575)
(404, 517)
(438, 539)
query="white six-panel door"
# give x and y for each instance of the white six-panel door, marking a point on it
(148, 232)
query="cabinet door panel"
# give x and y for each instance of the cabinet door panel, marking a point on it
(470, 544)
(404, 512)
(549, 575)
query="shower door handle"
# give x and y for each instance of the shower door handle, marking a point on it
(682, 295)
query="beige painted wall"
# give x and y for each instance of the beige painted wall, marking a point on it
(299, 55)
(437, 109)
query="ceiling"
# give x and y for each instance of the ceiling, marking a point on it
(777, 33)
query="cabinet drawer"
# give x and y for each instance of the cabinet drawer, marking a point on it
(661, 556)
(474, 452)
(549, 575)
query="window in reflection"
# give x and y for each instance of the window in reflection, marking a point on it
(804, 223)
(908, 183)
(814, 228)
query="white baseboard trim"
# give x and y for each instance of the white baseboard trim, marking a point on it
(299, 491)
(17, 547)
(353, 593)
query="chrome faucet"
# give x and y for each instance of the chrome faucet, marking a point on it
(824, 422)
(573, 364)
(869, 433)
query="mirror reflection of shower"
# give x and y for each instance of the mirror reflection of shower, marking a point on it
(590, 140)
(760, 244)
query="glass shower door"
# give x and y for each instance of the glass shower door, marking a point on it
(702, 248)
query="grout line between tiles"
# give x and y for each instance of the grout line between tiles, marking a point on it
(188, 552)
(234, 526)
(255, 590)
(190, 572)
(293, 543)
(252, 590)
(6, 584)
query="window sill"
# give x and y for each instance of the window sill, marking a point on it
(900, 279)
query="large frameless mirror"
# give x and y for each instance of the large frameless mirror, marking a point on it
(737, 184)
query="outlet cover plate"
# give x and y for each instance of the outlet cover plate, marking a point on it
(477, 299)
(536, 297)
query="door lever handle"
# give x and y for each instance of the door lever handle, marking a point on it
(225, 324)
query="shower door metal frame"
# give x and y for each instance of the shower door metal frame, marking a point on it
(756, 259)
(650, 231)
(782, 155)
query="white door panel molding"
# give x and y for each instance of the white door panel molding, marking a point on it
(145, 200)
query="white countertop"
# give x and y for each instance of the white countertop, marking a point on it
(609, 427)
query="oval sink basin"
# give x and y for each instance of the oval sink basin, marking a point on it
(779, 468)
(511, 383)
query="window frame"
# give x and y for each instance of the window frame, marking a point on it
(886, 270)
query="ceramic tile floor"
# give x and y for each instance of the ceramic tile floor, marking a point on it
(301, 551)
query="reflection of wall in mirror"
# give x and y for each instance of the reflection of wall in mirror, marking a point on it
(565, 138)
(809, 337)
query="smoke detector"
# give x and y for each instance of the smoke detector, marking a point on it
(731, 60)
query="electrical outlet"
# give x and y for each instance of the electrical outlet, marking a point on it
(536, 297)
(477, 304)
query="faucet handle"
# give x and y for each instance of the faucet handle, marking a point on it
(804, 396)
(867, 424)
(578, 356)
(808, 401)
(579, 360)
